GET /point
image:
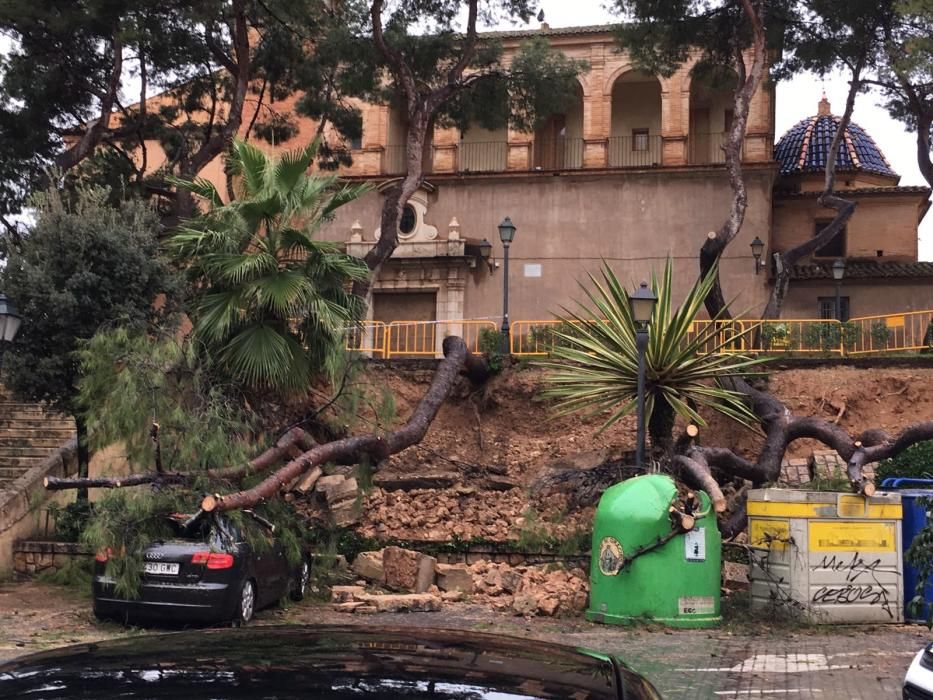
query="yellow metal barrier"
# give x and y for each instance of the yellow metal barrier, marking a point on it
(424, 338)
(367, 337)
(798, 335)
(535, 338)
(904, 332)
(728, 336)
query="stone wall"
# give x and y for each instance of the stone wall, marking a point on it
(31, 558)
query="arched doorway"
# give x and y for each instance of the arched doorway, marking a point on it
(635, 127)
(559, 140)
(711, 106)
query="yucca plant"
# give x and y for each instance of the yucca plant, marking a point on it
(272, 303)
(594, 369)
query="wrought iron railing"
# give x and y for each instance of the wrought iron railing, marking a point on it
(641, 150)
(482, 156)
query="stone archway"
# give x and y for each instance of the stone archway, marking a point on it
(635, 120)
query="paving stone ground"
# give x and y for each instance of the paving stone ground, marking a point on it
(744, 659)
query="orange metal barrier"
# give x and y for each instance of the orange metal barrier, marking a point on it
(424, 338)
(367, 337)
(909, 331)
(904, 332)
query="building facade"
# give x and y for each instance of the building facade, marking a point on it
(631, 174)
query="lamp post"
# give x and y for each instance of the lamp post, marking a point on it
(10, 322)
(839, 271)
(506, 235)
(758, 247)
(642, 302)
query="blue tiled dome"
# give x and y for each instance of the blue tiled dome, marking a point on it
(804, 147)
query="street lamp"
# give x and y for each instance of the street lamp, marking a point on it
(506, 235)
(758, 247)
(839, 271)
(10, 322)
(642, 302)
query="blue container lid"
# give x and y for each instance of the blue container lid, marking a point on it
(900, 482)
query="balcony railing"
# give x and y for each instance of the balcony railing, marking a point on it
(562, 153)
(394, 160)
(482, 156)
(634, 151)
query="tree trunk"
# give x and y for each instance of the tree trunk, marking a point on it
(395, 200)
(84, 456)
(661, 429)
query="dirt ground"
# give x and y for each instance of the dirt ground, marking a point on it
(745, 658)
(516, 434)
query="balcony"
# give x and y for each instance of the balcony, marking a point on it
(638, 151)
(482, 156)
(561, 153)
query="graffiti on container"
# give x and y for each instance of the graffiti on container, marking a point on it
(853, 567)
(861, 585)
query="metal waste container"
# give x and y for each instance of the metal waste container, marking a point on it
(837, 557)
(916, 516)
(644, 566)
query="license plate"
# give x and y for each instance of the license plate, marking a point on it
(162, 568)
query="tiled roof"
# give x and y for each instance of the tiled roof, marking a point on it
(803, 149)
(863, 269)
(552, 31)
(857, 192)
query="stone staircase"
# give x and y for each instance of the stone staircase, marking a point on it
(28, 435)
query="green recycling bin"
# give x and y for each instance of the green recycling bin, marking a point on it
(639, 571)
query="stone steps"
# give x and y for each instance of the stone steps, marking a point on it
(29, 433)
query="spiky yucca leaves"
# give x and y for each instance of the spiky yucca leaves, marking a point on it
(271, 302)
(684, 365)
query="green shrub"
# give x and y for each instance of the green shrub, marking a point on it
(70, 520)
(490, 345)
(916, 462)
(827, 337)
(880, 335)
(771, 332)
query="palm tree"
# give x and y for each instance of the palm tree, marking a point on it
(594, 365)
(272, 303)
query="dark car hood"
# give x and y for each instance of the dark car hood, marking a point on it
(324, 662)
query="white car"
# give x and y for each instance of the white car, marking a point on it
(918, 683)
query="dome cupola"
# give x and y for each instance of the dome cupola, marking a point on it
(805, 147)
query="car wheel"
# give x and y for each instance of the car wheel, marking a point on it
(247, 605)
(299, 588)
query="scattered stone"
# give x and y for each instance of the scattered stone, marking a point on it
(407, 570)
(326, 483)
(344, 514)
(454, 577)
(410, 482)
(345, 594)
(341, 491)
(369, 566)
(735, 576)
(410, 602)
(306, 482)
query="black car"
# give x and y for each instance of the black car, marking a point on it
(330, 663)
(209, 570)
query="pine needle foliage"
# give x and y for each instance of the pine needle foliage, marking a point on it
(271, 302)
(132, 379)
(594, 365)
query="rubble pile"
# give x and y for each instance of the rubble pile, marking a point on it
(465, 512)
(417, 582)
(530, 590)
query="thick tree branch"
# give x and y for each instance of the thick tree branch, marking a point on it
(378, 446)
(747, 85)
(91, 138)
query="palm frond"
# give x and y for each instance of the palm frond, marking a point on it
(593, 366)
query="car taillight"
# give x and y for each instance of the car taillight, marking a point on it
(213, 560)
(103, 554)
